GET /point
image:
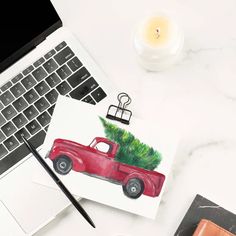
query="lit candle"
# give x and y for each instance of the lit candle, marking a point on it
(158, 42)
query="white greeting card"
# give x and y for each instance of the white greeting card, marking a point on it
(123, 166)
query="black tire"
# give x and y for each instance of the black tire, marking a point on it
(62, 165)
(134, 188)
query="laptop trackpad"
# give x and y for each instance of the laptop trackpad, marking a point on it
(9, 226)
(31, 204)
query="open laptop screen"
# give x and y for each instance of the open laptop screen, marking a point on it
(23, 24)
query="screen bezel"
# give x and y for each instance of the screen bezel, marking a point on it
(29, 46)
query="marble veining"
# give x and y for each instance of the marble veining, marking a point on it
(203, 146)
(209, 207)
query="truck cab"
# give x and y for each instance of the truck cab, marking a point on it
(97, 158)
(104, 146)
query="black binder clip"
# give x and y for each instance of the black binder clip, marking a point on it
(120, 113)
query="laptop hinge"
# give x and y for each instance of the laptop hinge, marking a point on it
(40, 40)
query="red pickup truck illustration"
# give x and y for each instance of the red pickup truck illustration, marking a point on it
(98, 160)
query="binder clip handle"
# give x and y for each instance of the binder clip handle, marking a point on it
(125, 102)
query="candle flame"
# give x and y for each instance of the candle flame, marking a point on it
(156, 31)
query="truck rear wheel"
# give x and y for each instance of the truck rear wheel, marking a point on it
(133, 188)
(62, 165)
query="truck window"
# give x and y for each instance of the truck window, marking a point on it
(103, 147)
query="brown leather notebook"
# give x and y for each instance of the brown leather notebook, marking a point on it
(208, 228)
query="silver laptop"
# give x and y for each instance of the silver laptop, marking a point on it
(39, 59)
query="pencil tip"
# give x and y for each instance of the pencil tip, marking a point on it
(89, 220)
(91, 223)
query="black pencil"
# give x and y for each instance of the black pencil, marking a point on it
(58, 182)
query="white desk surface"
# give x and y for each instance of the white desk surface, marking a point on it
(198, 96)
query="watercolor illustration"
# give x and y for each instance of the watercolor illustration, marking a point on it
(119, 158)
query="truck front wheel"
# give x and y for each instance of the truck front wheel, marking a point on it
(62, 165)
(133, 188)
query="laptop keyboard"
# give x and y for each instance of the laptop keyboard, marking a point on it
(27, 101)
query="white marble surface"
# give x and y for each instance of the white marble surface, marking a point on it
(197, 97)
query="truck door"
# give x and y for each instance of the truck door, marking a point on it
(100, 161)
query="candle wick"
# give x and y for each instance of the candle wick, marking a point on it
(158, 32)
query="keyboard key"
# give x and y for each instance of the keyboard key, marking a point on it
(2, 136)
(42, 88)
(33, 127)
(3, 151)
(78, 77)
(11, 143)
(60, 46)
(19, 153)
(17, 90)
(1, 106)
(28, 70)
(50, 66)
(39, 62)
(2, 120)
(28, 82)
(41, 104)
(51, 109)
(63, 88)
(31, 112)
(6, 86)
(64, 55)
(52, 96)
(53, 80)
(31, 96)
(89, 99)
(17, 78)
(9, 112)
(98, 94)
(50, 54)
(74, 64)
(46, 128)
(20, 104)
(20, 133)
(19, 121)
(6, 98)
(44, 119)
(64, 72)
(39, 74)
(84, 89)
(8, 129)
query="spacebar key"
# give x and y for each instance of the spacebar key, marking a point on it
(21, 152)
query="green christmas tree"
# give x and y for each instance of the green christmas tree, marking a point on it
(131, 151)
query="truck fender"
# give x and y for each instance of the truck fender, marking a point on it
(149, 187)
(78, 164)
